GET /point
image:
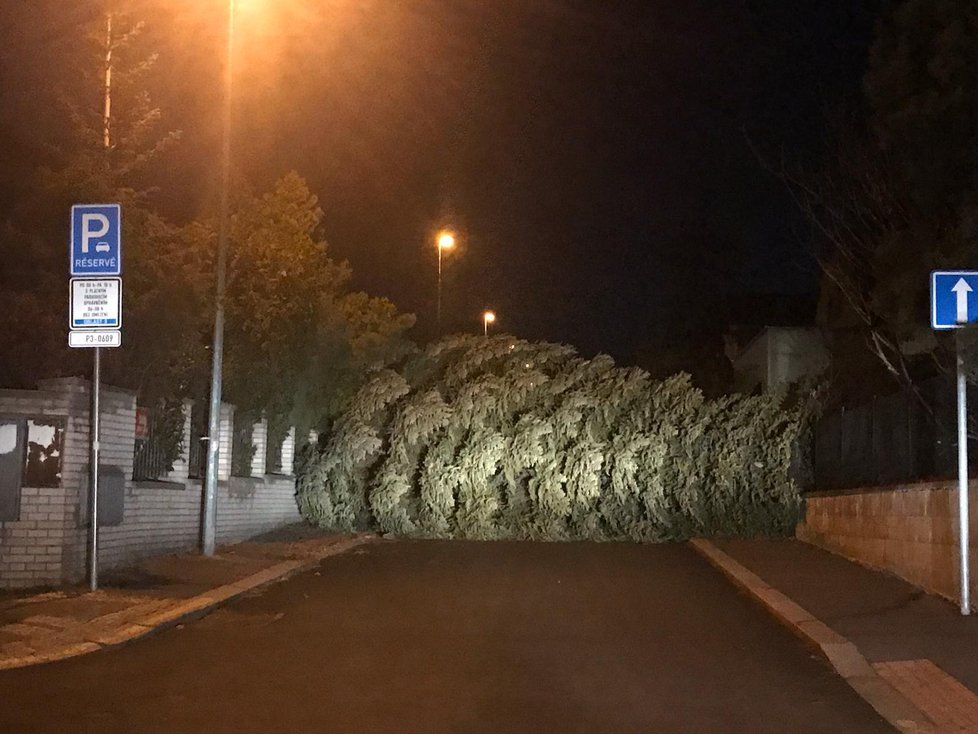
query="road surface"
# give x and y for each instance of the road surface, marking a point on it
(418, 637)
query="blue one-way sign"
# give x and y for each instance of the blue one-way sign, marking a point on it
(96, 239)
(953, 298)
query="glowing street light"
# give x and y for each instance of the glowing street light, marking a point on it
(446, 241)
(489, 317)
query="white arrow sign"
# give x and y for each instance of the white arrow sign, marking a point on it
(961, 290)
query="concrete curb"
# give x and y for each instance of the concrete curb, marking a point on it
(192, 608)
(840, 653)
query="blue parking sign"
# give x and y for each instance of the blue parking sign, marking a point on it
(96, 239)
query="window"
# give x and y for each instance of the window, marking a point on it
(45, 439)
(11, 468)
(30, 456)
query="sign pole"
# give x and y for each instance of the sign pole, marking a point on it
(952, 306)
(963, 515)
(93, 467)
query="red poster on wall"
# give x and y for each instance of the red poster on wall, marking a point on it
(142, 422)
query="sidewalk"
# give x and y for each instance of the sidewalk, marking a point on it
(160, 593)
(918, 643)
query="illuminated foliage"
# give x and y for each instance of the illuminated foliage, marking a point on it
(502, 438)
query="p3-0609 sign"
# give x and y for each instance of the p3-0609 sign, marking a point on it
(94, 338)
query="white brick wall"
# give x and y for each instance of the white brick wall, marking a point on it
(32, 548)
(227, 428)
(48, 545)
(259, 439)
(288, 451)
(243, 510)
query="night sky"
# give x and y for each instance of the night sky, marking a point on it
(591, 154)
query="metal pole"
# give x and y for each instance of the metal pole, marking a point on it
(107, 111)
(485, 326)
(93, 470)
(93, 461)
(963, 516)
(439, 288)
(209, 514)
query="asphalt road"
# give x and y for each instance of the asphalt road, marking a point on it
(418, 637)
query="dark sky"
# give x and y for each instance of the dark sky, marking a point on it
(590, 153)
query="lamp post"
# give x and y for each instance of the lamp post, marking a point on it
(446, 241)
(208, 532)
(489, 317)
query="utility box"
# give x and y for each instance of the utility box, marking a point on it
(111, 497)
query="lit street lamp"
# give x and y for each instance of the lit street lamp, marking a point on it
(488, 317)
(208, 532)
(446, 241)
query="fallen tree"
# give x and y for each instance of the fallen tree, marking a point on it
(501, 438)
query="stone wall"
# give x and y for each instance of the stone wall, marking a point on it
(47, 544)
(910, 530)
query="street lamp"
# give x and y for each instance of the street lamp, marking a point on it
(488, 317)
(208, 533)
(446, 241)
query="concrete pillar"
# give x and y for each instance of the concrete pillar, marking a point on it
(288, 451)
(259, 439)
(227, 429)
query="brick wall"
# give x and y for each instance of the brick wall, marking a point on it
(259, 439)
(32, 547)
(47, 546)
(248, 506)
(910, 530)
(288, 451)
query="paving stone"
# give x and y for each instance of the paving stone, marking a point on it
(56, 623)
(15, 650)
(27, 630)
(947, 701)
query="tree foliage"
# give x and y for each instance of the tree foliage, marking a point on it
(922, 90)
(298, 340)
(110, 160)
(896, 194)
(82, 168)
(502, 438)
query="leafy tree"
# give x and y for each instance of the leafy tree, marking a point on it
(922, 90)
(896, 196)
(297, 340)
(168, 308)
(107, 159)
(159, 311)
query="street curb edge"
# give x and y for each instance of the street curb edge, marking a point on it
(840, 653)
(190, 609)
